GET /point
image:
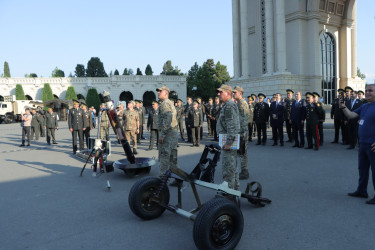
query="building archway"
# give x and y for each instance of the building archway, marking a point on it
(80, 96)
(1, 98)
(126, 96)
(328, 63)
(28, 97)
(148, 97)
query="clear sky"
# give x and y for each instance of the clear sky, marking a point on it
(39, 35)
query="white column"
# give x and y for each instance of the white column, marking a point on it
(345, 53)
(280, 36)
(244, 39)
(236, 38)
(269, 37)
(354, 42)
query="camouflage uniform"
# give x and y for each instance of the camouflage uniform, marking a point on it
(244, 112)
(130, 119)
(104, 126)
(229, 123)
(167, 126)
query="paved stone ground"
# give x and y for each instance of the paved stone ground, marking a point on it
(44, 203)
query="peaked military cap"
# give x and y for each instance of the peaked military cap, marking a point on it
(179, 100)
(315, 94)
(347, 88)
(261, 95)
(360, 91)
(75, 101)
(195, 101)
(154, 102)
(289, 91)
(340, 90)
(308, 94)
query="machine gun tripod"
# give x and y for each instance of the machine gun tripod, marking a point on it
(218, 223)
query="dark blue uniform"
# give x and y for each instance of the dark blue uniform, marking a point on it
(76, 122)
(298, 116)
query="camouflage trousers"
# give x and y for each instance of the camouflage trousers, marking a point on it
(131, 136)
(104, 131)
(242, 152)
(229, 168)
(168, 151)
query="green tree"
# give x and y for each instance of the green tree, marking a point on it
(360, 74)
(80, 70)
(169, 70)
(70, 93)
(20, 95)
(92, 98)
(191, 79)
(6, 69)
(47, 94)
(125, 73)
(33, 75)
(148, 70)
(139, 72)
(95, 68)
(58, 73)
(116, 73)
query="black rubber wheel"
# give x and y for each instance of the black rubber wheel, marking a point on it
(9, 119)
(219, 225)
(141, 198)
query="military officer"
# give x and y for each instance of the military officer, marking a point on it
(35, 124)
(141, 116)
(152, 124)
(195, 118)
(87, 121)
(215, 116)
(120, 114)
(76, 125)
(202, 109)
(288, 107)
(144, 119)
(361, 96)
(168, 135)
(277, 115)
(180, 116)
(244, 116)
(51, 125)
(312, 121)
(338, 117)
(261, 116)
(209, 106)
(131, 124)
(254, 98)
(250, 126)
(322, 117)
(188, 106)
(40, 110)
(297, 118)
(104, 123)
(229, 124)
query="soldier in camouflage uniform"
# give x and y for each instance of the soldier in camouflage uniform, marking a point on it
(251, 117)
(50, 125)
(168, 135)
(42, 125)
(104, 123)
(141, 115)
(180, 121)
(131, 125)
(229, 124)
(244, 112)
(152, 124)
(120, 114)
(87, 120)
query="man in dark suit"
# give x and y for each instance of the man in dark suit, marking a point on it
(322, 117)
(152, 124)
(344, 120)
(277, 110)
(338, 117)
(312, 120)
(297, 119)
(352, 104)
(76, 125)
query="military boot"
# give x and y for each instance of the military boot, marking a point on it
(244, 175)
(135, 151)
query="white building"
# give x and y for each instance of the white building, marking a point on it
(121, 88)
(304, 45)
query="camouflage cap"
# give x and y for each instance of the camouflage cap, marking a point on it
(238, 89)
(163, 88)
(225, 87)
